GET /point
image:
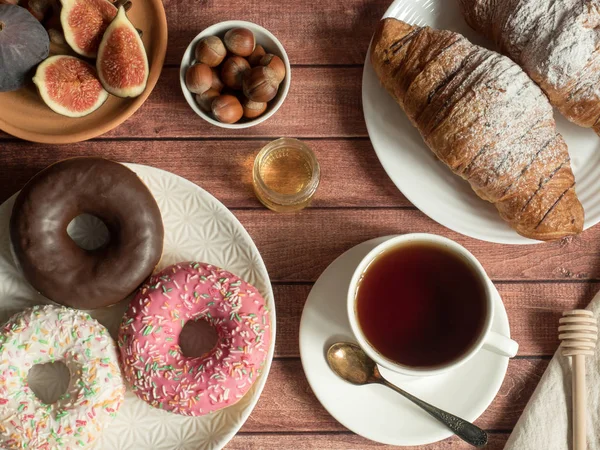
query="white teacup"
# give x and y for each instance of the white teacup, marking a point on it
(488, 339)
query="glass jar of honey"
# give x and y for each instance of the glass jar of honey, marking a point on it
(286, 175)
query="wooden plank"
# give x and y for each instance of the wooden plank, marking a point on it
(305, 243)
(223, 168)
(333, 32)
(533, 312)
(288, 404)
(534, 309)
(322, 102)
(344, 441)
(308, 241)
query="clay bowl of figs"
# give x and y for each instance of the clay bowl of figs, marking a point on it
(72, 70)
(235, 74)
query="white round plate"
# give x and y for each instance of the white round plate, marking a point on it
(374, 411)
(428, 183)
(197, 227)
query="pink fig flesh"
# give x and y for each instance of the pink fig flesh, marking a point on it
(84, 23)
(122, 61)
(69, 86)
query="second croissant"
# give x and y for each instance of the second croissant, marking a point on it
(556, 43)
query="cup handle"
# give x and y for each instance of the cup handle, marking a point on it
(500, 344)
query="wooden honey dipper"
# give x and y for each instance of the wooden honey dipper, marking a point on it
(578, 332)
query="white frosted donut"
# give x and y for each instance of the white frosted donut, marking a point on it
(45, 334)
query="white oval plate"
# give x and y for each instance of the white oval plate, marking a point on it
(197, 227)
(375, 412)
(428, 183)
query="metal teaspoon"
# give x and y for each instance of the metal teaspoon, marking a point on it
(352, 364)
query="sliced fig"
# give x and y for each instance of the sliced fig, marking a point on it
(122, 61)
(23, 44)
(84, 23)
(69, 86)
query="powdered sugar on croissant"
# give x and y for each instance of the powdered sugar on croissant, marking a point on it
(484, 118)
(557, 42)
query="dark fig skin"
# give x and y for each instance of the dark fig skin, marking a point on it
(24, 43)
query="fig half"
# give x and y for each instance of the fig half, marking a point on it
(84, 23)
(122, 61)
(23, 44)
(69, 86)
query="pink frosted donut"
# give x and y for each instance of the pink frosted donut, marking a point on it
(149, 339)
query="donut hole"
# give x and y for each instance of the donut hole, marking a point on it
(197, 338)
(49, 381)
(88, 232)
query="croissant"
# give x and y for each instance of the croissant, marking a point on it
(486, 120)
(556, 42)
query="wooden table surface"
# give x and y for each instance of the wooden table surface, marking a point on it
(327, 43)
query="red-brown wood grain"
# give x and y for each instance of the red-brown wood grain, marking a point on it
(327, 44)
(343, 441)
(533, 312)
(322, 102)
(308, 242)
(313, 33)
(351, 172)
(287, 403)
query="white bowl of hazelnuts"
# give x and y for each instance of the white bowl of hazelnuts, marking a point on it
(235, 74)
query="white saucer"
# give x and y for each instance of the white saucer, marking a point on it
(374, 411)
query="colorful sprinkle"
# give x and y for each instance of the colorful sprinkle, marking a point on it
(199, 385)
(49, 333)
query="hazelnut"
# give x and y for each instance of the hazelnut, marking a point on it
(210, 51)
(205, 99)
(274, 62)
(38, 8)
(217, 84)
(260, 84)
(258, 53)
(198, 78)
(227, 109)
(233, 70)
(240, 41)
(253, 109)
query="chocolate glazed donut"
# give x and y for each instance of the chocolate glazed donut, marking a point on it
(54, 264)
